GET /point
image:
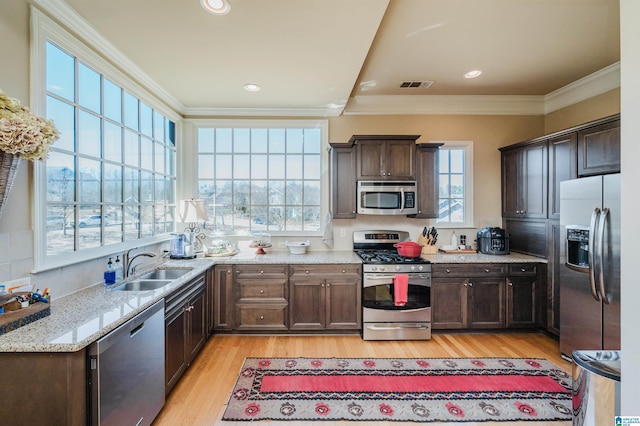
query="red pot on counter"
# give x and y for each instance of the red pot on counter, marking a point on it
(409, 249)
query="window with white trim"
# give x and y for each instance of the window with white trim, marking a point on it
(111, 177)
(263, 176)
(456, 185)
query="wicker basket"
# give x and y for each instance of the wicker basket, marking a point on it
(8, 168)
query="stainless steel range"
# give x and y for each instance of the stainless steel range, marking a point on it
(390, 313)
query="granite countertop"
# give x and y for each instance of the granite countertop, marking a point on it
(79, 319)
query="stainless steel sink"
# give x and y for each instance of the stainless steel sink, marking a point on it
(142, 285)
(165, 274)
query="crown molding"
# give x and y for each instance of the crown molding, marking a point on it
(443, 104)
(595, 84)
(204, 112)
(74, 22)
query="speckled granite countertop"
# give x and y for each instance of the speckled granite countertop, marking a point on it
(79, 319)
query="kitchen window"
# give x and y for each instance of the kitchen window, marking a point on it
(110, 180)
(262, 176)
(456, 185)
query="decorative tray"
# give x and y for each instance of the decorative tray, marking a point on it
(12, 320)
(458, 251)
(224, 254)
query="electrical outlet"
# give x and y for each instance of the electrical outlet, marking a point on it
(343, 232)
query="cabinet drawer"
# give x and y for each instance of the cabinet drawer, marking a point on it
(261, 271)
(258, 289)
(256, 317)
(340, 270)
(523, 269)
(467, 270)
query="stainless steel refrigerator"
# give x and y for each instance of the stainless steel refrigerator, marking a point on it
(590, 264)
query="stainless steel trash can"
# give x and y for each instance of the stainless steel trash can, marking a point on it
(596, 387)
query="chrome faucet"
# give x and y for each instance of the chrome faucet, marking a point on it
(127, 261)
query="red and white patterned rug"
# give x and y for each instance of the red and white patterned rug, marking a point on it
(400, 389)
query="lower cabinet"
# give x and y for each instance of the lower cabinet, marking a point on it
(262, 297)
(325, 297)
(222, 299)
(185, 329)
(487, 296)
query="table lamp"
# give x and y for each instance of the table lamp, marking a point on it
(191, 212)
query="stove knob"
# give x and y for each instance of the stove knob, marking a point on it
(382, 268)
(398, 268)
(420, 268)
(413, 268)
(374, 268)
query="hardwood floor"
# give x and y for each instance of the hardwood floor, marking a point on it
(202, 394)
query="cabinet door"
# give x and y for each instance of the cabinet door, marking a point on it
(533, 185)
(210, 299)
(448, 303)
(370, 159)
(196, 330)
(399, 160)
(510, 183)
(343, 297)
(521, 301)
(599, 149)
(427, 172)
(175, 342)
(553, 279)
(563, 165)
(485, 302)
(343, 182)
(307, 300)
(223, 298)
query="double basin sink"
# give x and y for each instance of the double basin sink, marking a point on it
(153, 280)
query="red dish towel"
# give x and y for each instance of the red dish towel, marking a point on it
(400, 289)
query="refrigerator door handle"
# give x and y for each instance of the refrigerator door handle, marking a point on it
(601, 227)
(592, 248)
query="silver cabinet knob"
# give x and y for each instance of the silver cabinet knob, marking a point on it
(487, 271)
(262, 272)
(228, 271)
(261, 291)
(261, 317)
(470, 284)
(306, 272)
(448, 271)
(523, 270)
(510, 284)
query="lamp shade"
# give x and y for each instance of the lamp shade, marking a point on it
(192, 211)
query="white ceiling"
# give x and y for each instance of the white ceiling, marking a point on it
(313, 57)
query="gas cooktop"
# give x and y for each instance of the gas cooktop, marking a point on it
(386, 256)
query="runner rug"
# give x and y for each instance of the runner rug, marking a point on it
(403, 389)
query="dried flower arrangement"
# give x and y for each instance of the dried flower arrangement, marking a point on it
(22, 132)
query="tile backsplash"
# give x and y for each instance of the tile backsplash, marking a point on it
(16, 254)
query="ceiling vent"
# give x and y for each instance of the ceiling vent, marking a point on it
(416, 84)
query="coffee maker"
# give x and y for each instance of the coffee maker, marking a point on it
(181, 246)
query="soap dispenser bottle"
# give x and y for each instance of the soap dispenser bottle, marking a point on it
(454, 240)
(118, 269)
(109, 274)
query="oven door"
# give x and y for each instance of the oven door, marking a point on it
(378, 298)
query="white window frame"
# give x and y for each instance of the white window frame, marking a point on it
(190, 175)
(467, 147)
(44, 29)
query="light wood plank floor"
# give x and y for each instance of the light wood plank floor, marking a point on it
(202, 394)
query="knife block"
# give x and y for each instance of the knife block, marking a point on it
(426, 248)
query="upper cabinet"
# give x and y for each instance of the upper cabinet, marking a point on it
(524, 181)
(427, 170)
(343, 181)
(563, 165)
(599, 149)
(385, 157)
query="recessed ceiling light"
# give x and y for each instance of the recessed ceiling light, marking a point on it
(473, 74)
(251, 87)
(216, 7)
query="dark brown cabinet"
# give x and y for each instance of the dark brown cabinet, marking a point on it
(262, 297)
(343, 181)
(325, 297)
(524, 181)
(223, 299)
(385, 157)
(427, 170)
(599, 149)
(468, 296)
(563, 165)
(185, 329)
(522, 296)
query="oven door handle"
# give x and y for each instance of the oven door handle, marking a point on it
(380, 277)
(397, 327)
(404, 311)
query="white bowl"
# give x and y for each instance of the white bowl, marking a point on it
(297, 247)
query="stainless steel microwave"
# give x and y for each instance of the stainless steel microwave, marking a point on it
(387, 197)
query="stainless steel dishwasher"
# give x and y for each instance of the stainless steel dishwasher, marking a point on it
(126, 383)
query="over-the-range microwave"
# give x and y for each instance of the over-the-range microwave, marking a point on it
(387, 197)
